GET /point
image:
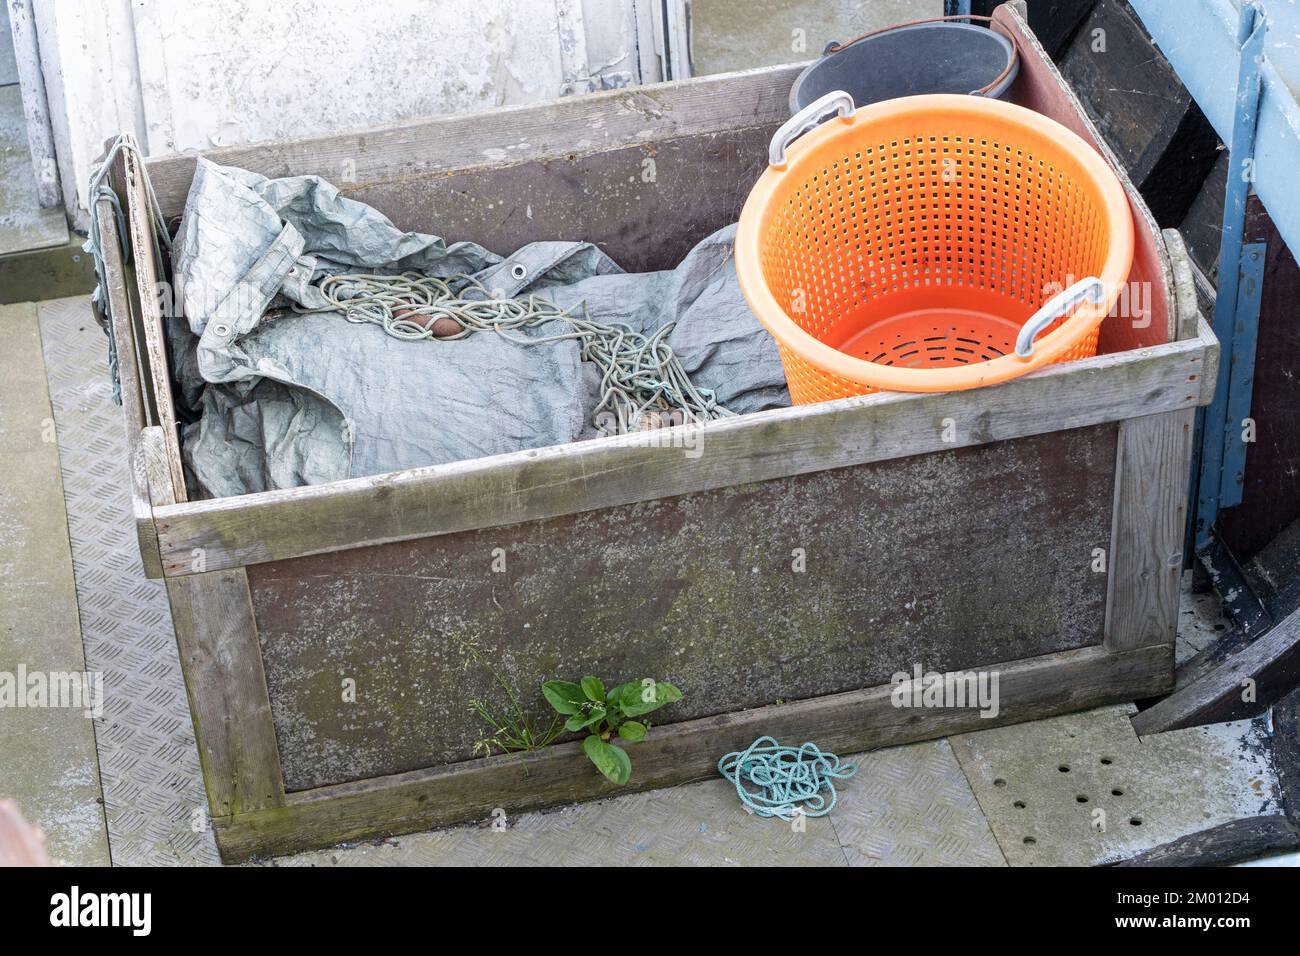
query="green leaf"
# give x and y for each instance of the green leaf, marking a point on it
(611, 761)
(614, 700)
(594, 689)
(579, 721)
(634, 704)
(633, 691)
(565, 696)
(618, 692)
(632, 730)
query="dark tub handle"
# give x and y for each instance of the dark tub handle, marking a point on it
(835, 47)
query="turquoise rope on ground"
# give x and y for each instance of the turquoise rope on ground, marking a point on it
(786, 777)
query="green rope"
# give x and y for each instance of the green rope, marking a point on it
(639, 374)
(786, 777)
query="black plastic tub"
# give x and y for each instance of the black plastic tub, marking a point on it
(910, 60)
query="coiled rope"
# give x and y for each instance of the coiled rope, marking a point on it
(639, 374)
(786, 777)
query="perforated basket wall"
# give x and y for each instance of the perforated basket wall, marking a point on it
(924, 239)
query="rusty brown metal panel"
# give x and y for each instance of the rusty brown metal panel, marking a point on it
(951, 560)
(1271, 493)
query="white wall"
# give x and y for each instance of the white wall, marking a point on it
(8, 62)
(193, 74)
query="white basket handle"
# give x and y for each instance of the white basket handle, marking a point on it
(837, 101)
(1090, 289)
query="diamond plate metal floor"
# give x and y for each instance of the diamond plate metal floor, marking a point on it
(907, 806)
(912, 806)
(147, 757)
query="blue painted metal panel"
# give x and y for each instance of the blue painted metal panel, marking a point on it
(1232, 326)
(1241, 376)
(1199, 39)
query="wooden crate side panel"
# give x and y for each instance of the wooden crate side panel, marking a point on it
(951, 560)
(847, 723)
(151, 345)
(617, 470)
(226, 687)
(416, 148)
(646, 205)
(1146, 556)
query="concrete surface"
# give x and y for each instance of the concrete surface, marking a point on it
(1041, 784)
(47, 754)
(743, 34)
(23, 223)
(54, 271)
(1201, 622)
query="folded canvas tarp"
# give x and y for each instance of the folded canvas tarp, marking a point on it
(281, 399)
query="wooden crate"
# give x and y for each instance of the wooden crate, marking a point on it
(954, 531)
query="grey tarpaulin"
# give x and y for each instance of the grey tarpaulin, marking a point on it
(285, 399)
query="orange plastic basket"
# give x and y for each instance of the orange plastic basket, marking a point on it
(906, 246)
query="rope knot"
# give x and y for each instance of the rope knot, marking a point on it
(790, 780)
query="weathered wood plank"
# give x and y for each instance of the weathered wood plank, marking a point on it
(583, 476)
(1187, 315)
(1224, 845)
(1286, 753)
(222, 663)
(1150, 515)
(580, 124)
(620, 198)
(151, 477)
(133, 403)
(1244, 685)
(151, 346)
(671, 755)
